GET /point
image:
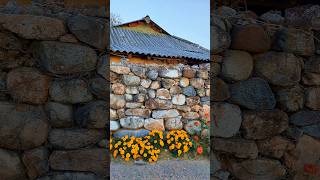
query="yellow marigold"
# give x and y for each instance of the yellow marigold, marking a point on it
(110, 146)
(126, 159)
(161, 143)
(116, 146)
(145, 155)
(153, 158)
(128, 155)
(171, 147)
(179, 152)
(155, 141)
(115, 153)
(168, 141)
(185, 149)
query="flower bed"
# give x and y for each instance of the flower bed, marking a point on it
(148, 148)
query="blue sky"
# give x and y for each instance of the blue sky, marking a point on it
(188, 19)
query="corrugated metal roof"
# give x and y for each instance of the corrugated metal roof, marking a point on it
(161, 45)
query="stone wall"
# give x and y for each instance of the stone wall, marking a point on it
(54, 95)
(160, 97)
(265, 94)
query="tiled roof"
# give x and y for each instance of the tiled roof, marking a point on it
(160, 45)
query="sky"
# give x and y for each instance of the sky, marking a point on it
(187, 19)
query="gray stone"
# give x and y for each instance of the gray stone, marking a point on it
(120, 69)
(251, 37)
(254, 93)
(10, 42)
(190, 115)
(154, 124)
(259, 169)
(70, 91)
(159, 114)
(120, 89)
(28, 85)
(34, 27)
(184, 82)
(74, 138)
(128, 97)
(293, 133)
(100, 88)
(273, 17)
(167, 83)
(132, 90)
(221, 39)
(264, 124)
(226, 120)
(22, 126)
(163, 94)
(189, 91)
(291, 99)
(132, 105)
(36, 162)
(173, 123)
(179, 99)
(240, 148)
(307, 151)
(146, 83)
(64, 58)
(145, 113)
(175, 90)
(203, 74)
(139, 98)
(312, 96)
(312, 130)
(155, 85)
(279, 68)
(152, 74)
(311, 79)
(305, 118)
(71, 176)
(103, 70)
(197, 83)
(151, 93)
(275, 146)
(294, 41)
(89, 160)
(151, 104)
(113, 114)
(114, 125)
(236, 65)
(163, 104)
(90, 30)
(11, 166)
(132, 122)
(136, 133)
(201, 92)
(193, 127)
(169, 73)
(93, 115)
(131, 80)
(139, 71)
(220, 90)
(60, 115)
(117, 101)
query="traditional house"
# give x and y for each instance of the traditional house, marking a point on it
(143, 41)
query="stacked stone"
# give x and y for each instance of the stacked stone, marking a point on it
(265, 100)
(53, 109)
(146, 98)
